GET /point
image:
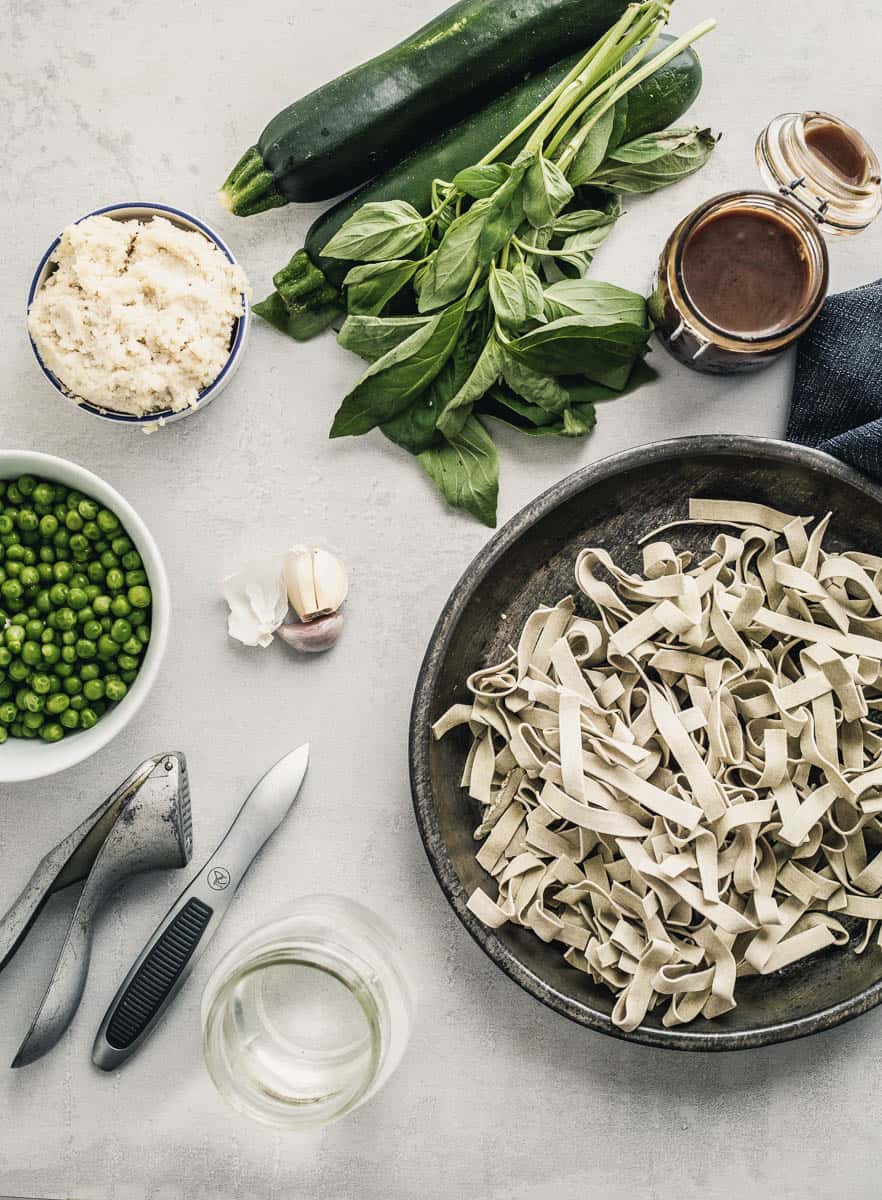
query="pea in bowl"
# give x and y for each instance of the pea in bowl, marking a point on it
(84, 614)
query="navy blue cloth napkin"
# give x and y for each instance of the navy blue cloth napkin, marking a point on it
(837, 392)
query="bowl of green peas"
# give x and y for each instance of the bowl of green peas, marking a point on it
(84, 614)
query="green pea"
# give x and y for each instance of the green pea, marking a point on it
(91, 532)
(79, 546)
(96, 574)
(53, 732)
(8, 713)
(73, 685)
(107, 521)
(92, 630)
(32, 720)
(133, 646)
(48, 635)
(44, 604)
(132, 560)
(140, 596)
(44, 493)
(114, 579)
(57, 704)
(5, 656)
(18, 670)
(121, 545)
(127, 662)
(62, 572)
(73, 521)
(70, 719)
(6, 523)
(108, 559)
(7, 690)
(93, 689)
(26, 484)
(87, 509)
(48, 525)
(31, 654)
(120, 606)
(77, 598)
(88, 718)
(30, 701)
(29, 577)
(15, 635)
(89, 670)
(121, 631)
(65, 619)
(115, 689)
(63, 669)
(12, 589)
(78, 703)
(4, 734)
(27, 520)
(107, 647)
(41, 684)
(86, 648)
(44, 571)
(51, 654)
(101, 605)
(86, 614)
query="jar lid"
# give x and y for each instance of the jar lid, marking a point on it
(825, 166)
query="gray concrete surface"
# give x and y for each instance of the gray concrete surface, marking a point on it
(497, 1098)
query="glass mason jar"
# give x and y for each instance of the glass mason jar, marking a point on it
(826, 180)
(693, 338)
(307, 1017)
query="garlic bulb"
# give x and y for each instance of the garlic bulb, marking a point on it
(316, 580)
(312, 637)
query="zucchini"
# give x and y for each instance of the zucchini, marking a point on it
(354, 127)
(309, 303)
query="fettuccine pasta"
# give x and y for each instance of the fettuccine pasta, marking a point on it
(685, 787)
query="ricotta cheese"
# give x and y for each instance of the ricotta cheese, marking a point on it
(138, 316)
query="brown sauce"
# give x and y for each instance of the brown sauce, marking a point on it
(746, 272)
(837, 150)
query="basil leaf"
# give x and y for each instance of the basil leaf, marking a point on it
(593, 150)
(451, 267)
(534, 386)
(505, 211)
(576, 345)
(371, 286)
(466, 470)
(508, 299)
(588, 240)
(372, 337)
(656, 160)
(483, 375)
(392, 382)
(378, 231)
(584, 218)
(546, 192)
(576, 420)
(531, 285)
(600, 303)
(620, 123)
(481, 181)
(414, 429)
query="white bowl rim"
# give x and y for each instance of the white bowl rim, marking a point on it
(50, 758)
(236, 348)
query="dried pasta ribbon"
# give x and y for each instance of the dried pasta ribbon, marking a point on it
(682, 785)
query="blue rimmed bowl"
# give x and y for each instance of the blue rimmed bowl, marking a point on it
(239, 336)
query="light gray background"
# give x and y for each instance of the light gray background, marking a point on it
(106, 101)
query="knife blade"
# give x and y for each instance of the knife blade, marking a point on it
(182, 935)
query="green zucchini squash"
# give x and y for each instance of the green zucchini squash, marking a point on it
(307, 298)
(356, 126)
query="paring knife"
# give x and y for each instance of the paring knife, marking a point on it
(188, 926)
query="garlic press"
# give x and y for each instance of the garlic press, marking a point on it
(144, 825)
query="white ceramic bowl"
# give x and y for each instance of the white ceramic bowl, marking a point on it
(144, 212)
(21, 758)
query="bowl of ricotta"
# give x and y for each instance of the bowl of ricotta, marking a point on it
(139, 314)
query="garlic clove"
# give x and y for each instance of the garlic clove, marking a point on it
(312, 637)
(316, 580)
(258, 601)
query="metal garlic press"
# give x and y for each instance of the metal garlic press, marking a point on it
(144, 825)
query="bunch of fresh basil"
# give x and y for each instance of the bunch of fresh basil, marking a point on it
(499, 320)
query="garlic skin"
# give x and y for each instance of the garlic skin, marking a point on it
(316, 581)
(312, 637)
(257, 600)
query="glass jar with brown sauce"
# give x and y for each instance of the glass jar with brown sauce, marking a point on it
(746, 273)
